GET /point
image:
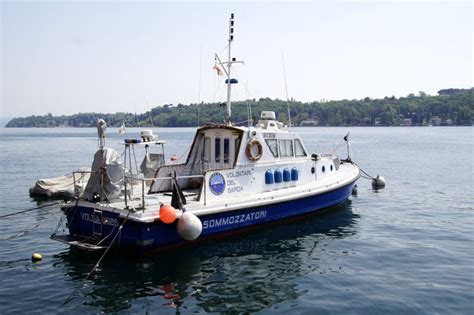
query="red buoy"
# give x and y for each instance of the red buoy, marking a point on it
(167, 214)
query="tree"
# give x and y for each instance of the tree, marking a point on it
(454, 104)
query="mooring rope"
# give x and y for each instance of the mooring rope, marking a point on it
(27, 210)
(107, 249)
(70, 297)
(25, 231)
(365, 173)
(29, 229)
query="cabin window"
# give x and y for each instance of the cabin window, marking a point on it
(217, 142)
(286, 148)
(273, 146)
(206, 154)
(299, 150)
(226, 150)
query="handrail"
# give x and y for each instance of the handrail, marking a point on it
(163, 178)
(143, 180)
(74, 180)
(132, 177)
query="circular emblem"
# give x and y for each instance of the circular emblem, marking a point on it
(217, 183)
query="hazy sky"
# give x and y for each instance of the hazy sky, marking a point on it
(69, 57)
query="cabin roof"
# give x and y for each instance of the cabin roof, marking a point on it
(209, 126)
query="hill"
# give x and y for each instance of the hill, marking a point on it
(449, 107)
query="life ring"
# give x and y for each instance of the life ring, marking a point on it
(254, 150)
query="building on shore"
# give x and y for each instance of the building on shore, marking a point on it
(435, 121)
(406, 122)
(308, 123)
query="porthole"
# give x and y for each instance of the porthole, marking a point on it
(323, 169)
(331, 167)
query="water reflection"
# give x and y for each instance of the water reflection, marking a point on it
(248, 273)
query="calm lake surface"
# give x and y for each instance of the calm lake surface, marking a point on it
(406, 249)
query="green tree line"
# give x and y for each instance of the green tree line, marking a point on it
(449, 107)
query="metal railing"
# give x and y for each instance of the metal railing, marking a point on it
(76, 190)
(133, 178)
(143, 180)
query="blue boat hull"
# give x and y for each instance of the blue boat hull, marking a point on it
(136, 236)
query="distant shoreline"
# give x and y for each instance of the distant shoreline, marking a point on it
(451, 107)
(171, 127)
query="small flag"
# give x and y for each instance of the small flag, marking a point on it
(218, 69)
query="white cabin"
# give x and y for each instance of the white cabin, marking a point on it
(239, 161)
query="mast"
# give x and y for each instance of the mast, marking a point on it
(229, 65)
(226, 66)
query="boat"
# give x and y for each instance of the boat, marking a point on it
(61, 186)
(234, 178)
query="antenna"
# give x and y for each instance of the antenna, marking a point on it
(231, 38)
(149, 114)
(200, 79)
(228, 64)
(286, 89)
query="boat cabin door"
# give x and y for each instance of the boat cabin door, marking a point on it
(220, 149)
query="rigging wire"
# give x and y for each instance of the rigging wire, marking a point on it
(286, 89)
(149, 114)
(249, 105)
(217, 88)
(223, 49)
(200, 83)
(243, 94)
(138, 122)
(184, 153)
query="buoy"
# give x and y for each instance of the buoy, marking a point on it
(167, 214)
(268, 177)
(278, 176)
(294, 173)
(189, 226)
(378, 182)
(354, 190)
(36, 257)
(286, 175)
(174, 157)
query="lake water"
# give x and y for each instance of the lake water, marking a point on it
(406, 249)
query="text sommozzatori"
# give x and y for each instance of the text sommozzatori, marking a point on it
(234, 219)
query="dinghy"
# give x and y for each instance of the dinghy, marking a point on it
(65, 186)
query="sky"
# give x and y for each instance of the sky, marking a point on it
(66, 57)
